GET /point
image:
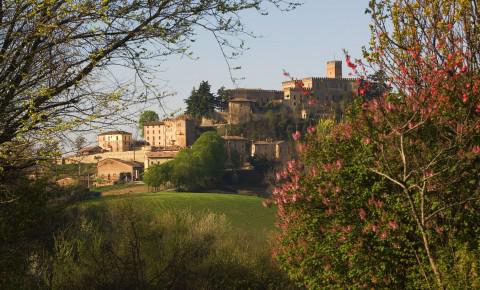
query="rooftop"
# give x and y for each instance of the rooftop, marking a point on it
(161, 154)
(129, 163)
(115, 132)
(241, 100)
(236, 138)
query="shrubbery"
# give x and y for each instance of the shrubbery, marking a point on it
(122, 247)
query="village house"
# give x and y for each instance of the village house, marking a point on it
(91, 150)
(112, 170)
(237, 150)
(272, 150)
(159, 157)
(178, 132)
(115, 141)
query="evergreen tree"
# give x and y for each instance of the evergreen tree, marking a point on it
(221, 100)
(201, 102)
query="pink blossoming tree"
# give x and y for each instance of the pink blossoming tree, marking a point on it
(390, 197)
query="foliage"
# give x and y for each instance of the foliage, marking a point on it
(198, 167)
(146, 116)
(221, 99)
(124, 248)
(158, 174)
(201, 102)
(390, 197)
(27, 222)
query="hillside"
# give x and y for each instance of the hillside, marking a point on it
(243, 212)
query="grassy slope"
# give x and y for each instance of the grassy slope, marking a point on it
(244, 212)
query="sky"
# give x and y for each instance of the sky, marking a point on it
(300, 41)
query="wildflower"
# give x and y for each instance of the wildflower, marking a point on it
(366, 141)
(311, 130)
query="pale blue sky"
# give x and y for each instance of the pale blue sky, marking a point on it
(301, 41)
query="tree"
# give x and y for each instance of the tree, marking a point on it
(221, 100)
(146, 116)
(158, 175)
(55, 52)
(201, 102)
(390, 197)
(193, 168)
(79, 143)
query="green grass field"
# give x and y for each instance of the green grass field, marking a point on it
(243, 212)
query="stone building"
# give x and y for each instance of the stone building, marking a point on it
(237, 150)
(240, 110)
(178, 132)
(321, 96)
(112, 170)
(158, 157)
(115, 141)
(260, 96)
(272, 150)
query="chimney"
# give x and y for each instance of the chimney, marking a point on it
(334, 69)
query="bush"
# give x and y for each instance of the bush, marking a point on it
(124, 248)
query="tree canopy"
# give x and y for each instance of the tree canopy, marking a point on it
(201, 102)
(193, 168)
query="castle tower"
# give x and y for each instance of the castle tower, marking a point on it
(334, 69)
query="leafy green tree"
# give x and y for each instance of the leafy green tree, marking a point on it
(146, 116)
(201, 102)
(193, 168)
(221, 100)
(158, 175)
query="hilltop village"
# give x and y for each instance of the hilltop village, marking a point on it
(256, 123)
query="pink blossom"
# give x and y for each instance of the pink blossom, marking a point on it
(393, 224)
(311, 130)
(296, 135)
(476, 149)
(383, 235)
(465, 98)
(366, 141)
(362, 214)
(338, 164)
(477, 108)
(349, 62)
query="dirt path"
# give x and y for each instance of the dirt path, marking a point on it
(131, 189)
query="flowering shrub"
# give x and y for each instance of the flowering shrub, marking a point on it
(390, 197)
